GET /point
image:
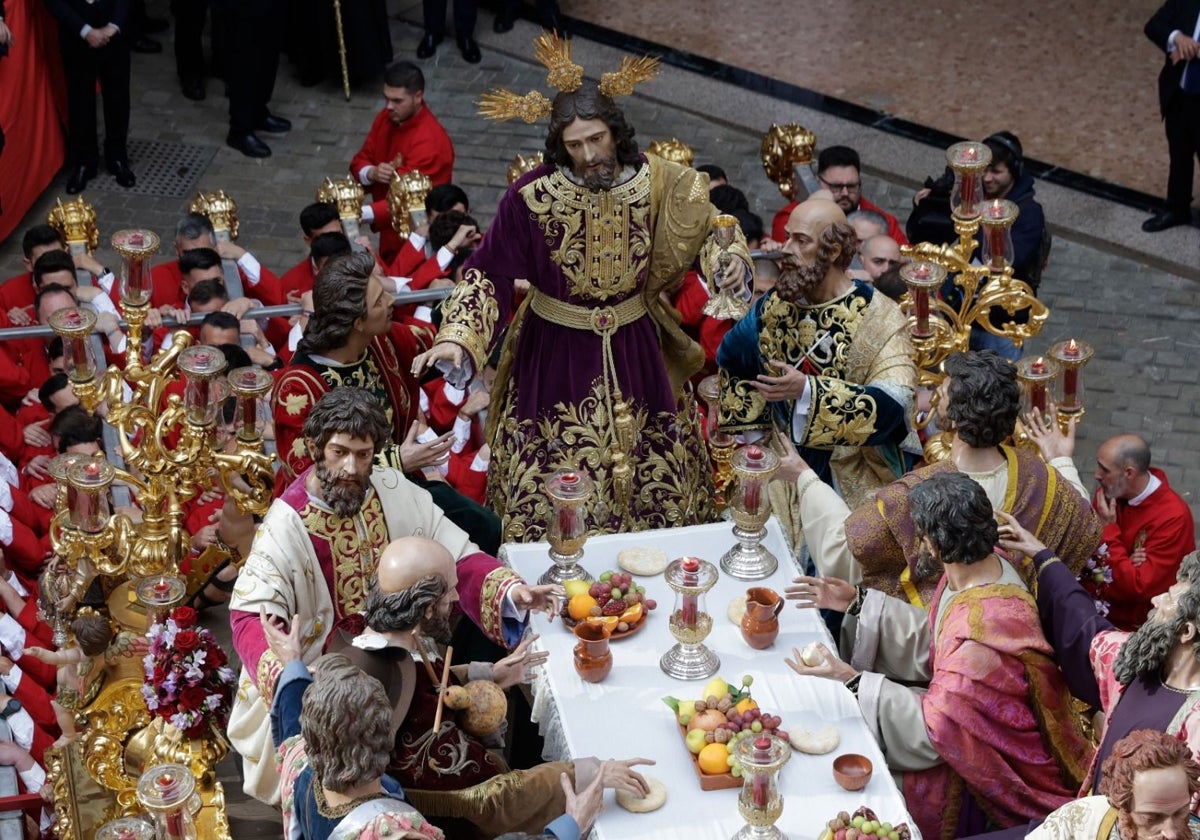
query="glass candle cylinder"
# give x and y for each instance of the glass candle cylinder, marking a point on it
(58, 469)
(87, 499)
(202, 397)
(1073, 356)
(968, 160)
(249, 386)
(1038, 377)
(997, 221)
(126, 828)
(753, 467)
(569, 492)
(159, 595)
(136, 248)
(165, 790)
(75, 326)
(690, 623)
(760, 803)
(923, 279)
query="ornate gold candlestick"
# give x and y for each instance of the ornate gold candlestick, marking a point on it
(923, 279)
(406, 201)
(968, 160)
(1038, 377)
(347, 195)
(202, 395)
(691, 578)
(521, 164)
(784, 149)
(997, 220)
(750, 505)
(566, 531)
(250, 385)
(1072, 356)
(725, 305)
(221, 210)
(159, 595)
(137, 248)
(760, 803)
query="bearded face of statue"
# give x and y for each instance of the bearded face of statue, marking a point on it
(1147, 650)
(593, 153)
(343, 471)
(1160, 808)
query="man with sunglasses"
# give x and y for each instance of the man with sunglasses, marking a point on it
(839, 170)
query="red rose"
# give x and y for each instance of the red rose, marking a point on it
(187, 641)
(193, 698)
(184, 617)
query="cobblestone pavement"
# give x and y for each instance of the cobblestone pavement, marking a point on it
(1144, 323)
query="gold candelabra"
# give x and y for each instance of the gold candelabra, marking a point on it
(784, 147)
(347, 195)
(522, 164)
(221, 210)
(168, 443)
(674, 150)
(406, 201)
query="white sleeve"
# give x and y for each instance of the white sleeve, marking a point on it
(444, 257)
(417, 241)
(21, 725)
(364, 178)
(16, 584)
(12, 635)
(456, 396)
(12, 680)
(462, 435)
(33, 778)
(294, 335)
(251, 266)
(800, 414)
(367, 213)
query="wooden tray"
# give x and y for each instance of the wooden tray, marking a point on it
(725, 781)
(570, 623)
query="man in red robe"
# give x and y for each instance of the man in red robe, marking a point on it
(196, 231)
(17, 292)
(1148, 529)
(315, 219)
(405, 137)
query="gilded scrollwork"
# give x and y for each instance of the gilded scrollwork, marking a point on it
(469, 316)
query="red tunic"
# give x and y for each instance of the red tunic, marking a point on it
(17, 292)
(1162, 525)
(894, 230)
(299, 278)
(167, 288)
(422, 144)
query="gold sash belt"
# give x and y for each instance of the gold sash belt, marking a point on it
(602, 320)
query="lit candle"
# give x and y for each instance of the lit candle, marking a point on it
(1071, 376)
(967, 191)
(1037, 388)
(568, 516)
(753, 495)
(996, 235)
(173, 819)
(760, 790)
(691, 577)
(161, 587)
(249, 418)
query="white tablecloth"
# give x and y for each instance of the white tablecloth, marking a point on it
(624, 716)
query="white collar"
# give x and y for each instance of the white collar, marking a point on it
(1153, 484)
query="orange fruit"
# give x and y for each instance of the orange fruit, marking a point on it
(714, 759)
(744, 705)
(633, 614)
(610, 620)
(580, 607)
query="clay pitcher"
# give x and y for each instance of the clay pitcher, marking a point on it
(760, 624)
(593, 659)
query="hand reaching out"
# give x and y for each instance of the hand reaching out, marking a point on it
(518, 666)
(825, 593)
(586, 805)
(283, 640)
(1049, 436)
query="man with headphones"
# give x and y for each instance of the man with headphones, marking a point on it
(1175, 28)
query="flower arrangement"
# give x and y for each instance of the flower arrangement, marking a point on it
(1095, 576)
(188, 678)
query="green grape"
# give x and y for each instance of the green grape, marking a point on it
(606, 577)
(756, 727)
(858, 821)
(736, 772)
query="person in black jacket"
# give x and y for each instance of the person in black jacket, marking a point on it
(94, 47)
(1175, 28)
(249, 33)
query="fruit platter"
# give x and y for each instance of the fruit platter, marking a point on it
(613, 599)
(863, 824)
(712, 725)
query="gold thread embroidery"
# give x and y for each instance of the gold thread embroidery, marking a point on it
(355, 543)
(600, 240)
(469, 316)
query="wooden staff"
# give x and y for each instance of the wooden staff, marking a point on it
(437, 716)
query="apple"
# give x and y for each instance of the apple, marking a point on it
(708, 720)
(696, 740)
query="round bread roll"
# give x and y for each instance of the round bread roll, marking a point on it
(655, 799)
(643, 561)
(818, 742)
(811, 655)
(736, 609)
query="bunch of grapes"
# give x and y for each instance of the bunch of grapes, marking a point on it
(864, 824)
(615, 592)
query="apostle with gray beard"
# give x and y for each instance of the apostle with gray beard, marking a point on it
(1148, 679)
(826, 360)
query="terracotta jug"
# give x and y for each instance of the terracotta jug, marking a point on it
(593, 659)
(760, 624)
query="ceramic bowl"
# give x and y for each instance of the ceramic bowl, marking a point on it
(852, 771)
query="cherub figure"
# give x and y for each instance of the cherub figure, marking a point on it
(92, 635)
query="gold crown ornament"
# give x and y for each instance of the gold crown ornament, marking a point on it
(565, 76)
